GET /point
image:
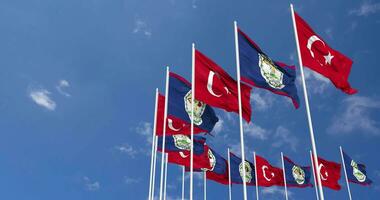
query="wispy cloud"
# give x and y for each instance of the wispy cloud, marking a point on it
(275, 191)
(283, 137)
(194, 4)
(218, 126)
(317, 83)
(129, 180)
(91, 185)
(262, 100)
(145, 129)
(62, 85)
(127, 149)
(366, 8)
(356, 115)
(41, 97)
(142, 28)
(256, 131)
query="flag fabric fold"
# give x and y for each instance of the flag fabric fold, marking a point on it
(296, 176)
(179, 105)
(258, 70)
(237, 168)
(321, 58)
(217, 88)
(267, 175)
(356, 172)
(218, 171)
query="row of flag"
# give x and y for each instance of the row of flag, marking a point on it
(179, 116)
(226, 171)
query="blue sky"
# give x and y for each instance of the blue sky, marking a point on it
(78, 78)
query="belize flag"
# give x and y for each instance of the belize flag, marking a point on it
(258, 70)
(296, 176)
(356, 172)
(236, 167)
(179, 142)
(218, 171)
(179, 104)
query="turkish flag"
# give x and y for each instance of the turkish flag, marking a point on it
(183, 158)
(217, 88)
(320, 57)
(174, 125)
(329, 172)
(267, 175)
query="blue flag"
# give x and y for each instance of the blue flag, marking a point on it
(179, 143)
(219, 170)
(258, 70)
(179, 105)
(296, 176)
(356, 173)
(236, 167)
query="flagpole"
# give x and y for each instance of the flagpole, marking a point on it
(166, 174)
(345, 172)
(229, 175)
(183, 182)
(204, 186)
(256, 180)
(283, 168)
(154, 166)
(240, 108)
(192, 118)
(315, 180)
(153, 142)
(314, 147)
(164, 131)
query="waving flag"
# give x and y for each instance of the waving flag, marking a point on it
(356, 172)
(179, 104)
(329, 173)
(296, 176)
(320, 57)
(178, 149)
(258, 70)
(218, 171)
(236, 167)
(267, 175)
(174, 125)
(217, 88)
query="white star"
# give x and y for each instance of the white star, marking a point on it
(328, 58)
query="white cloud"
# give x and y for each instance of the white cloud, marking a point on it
(366, 8)
(41, 97)
(315, 82)
(356, 115)
(218, 126)
(142, 27)
(129, 180)
(262, 100)
(62, 84)
(275, 191)
(91, 185)
(127, 149)
(255, 131)
(283, 137)
(145, 129)
(329, 32)
(194, 4)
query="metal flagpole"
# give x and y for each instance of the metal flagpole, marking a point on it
(314, 147)
(283, 168)
(240, 109)
(183, 182)
(153, 144)
(256, 180)
(229, 174)
(315, 180)
(345, 173)
(164, 131)
(204, 186)
(192, 118)
(166, 174)
(154, 166)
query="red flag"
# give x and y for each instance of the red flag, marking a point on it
(267, 175)
(320, 57)
(217, 88)
(183, 158)
(174, 125)
(219, 178)
(330, 173)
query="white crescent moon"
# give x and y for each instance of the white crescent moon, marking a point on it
(183, 154)
(326, 174)
(170, 125)
(209, 84)
(310, 42)
(264, 174)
